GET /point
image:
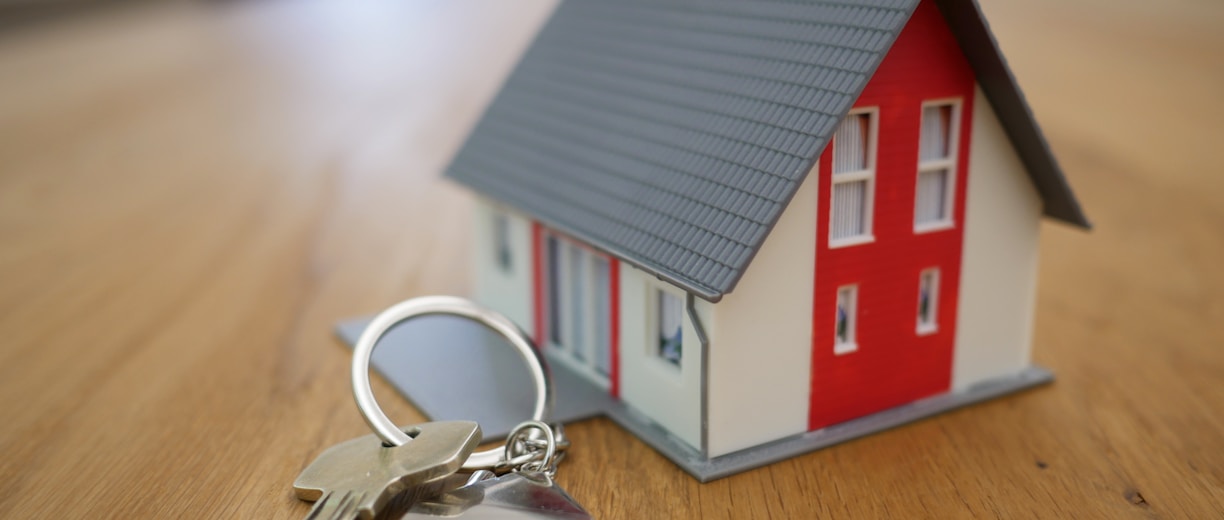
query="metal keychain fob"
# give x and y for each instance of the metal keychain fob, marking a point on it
(528, 491)
(522, 494)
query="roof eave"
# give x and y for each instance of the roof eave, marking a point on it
(693, 287)
(972, 31)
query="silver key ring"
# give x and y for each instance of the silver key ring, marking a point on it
(519, 434)
(425, 305)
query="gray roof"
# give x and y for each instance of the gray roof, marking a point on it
(673, 133)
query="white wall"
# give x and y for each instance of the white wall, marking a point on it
(506, 292)
(999, 266)
(667, 394)
(761, 337)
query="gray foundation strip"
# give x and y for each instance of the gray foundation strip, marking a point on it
(706, 470)
(422, 360)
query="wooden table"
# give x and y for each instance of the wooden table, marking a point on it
(192, 195)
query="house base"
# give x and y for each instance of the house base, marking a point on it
(474, 377)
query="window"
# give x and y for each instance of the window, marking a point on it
(669, 315)
(928, 301)
(577, 300)
(936, 166)
(603, 316)
(553, 257)
(501, 236)
(578, 305)
(845, 320)
(853, 179)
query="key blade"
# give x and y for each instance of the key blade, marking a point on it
(334, 506)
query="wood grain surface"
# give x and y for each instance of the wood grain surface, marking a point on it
(191, 195)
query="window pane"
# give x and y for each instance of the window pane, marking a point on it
(843, 322)
(928, 299)
(501, 231)
(603, 317)
(849, 209)
(577, 302)
(670, 318)
(936, 132)
(845, 316)
(932, 198)
(553, 247)
(850, 144)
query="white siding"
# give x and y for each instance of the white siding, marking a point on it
(669, 395)
(999, 267)
(507, 291)
(761, 337)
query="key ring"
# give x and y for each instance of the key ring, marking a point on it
(546, 464)
(425, 305)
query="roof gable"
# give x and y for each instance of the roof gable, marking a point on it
(971, 29)
(673, 133)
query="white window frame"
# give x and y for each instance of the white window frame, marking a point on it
(868, 174)
(563, 353)
(656, 327)
(851, 345)
(931, 326)
(949, 163)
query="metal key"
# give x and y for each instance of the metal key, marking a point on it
(357, 478)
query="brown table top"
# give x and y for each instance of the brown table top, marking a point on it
(192, 195)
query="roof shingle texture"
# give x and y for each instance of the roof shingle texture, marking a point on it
(674, 133)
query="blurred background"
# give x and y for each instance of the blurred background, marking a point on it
(192, 193)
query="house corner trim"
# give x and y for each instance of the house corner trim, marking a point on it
(690, 305)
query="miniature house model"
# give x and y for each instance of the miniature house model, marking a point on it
(750, 221)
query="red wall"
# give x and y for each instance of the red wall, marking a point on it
(893, 364)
